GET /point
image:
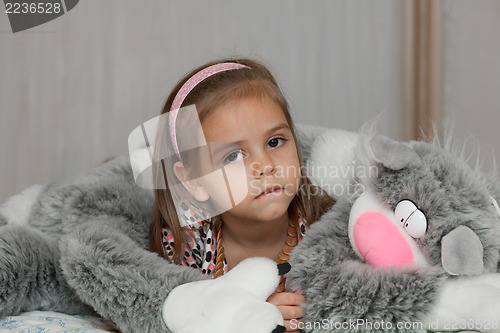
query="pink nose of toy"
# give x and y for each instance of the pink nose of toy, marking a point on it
(380, 242)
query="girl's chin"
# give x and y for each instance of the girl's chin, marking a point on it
(272, 212)
(267, 213)
(262, 208)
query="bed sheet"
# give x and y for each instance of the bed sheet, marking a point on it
(56, 322)
(50, 321)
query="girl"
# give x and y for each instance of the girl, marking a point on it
(238, 102)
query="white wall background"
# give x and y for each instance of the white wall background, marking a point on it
(471, 74)
(72, 89)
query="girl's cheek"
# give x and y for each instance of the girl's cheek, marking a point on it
(237, 178)
(253, 188)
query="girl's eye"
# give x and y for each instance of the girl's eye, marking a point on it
(233, 156)
(276, 142)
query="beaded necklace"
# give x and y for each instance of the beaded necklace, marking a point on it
(283, 256)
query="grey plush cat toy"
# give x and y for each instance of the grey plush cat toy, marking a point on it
(408, 245)
(82, 248)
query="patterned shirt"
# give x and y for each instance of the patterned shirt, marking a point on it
(201, 247)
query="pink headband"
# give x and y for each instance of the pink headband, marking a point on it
(186, 89)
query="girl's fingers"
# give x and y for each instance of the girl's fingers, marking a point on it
(289, 306)
(286, 298)
(291, 312)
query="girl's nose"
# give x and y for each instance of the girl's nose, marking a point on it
(263, 165)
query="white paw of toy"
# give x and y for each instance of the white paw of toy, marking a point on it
(468, 303)
(235, 302)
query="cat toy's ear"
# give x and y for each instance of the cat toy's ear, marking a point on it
(392, 154)
(462, 252)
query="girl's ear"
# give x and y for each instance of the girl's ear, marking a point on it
(194, 187)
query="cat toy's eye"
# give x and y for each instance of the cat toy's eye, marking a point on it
(412, 218)
(416, 224)
(404, 209)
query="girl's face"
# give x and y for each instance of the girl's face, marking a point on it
(262, 147)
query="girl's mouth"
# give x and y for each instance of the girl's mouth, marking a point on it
(272, 189)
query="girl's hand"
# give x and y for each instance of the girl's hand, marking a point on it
(290, 307)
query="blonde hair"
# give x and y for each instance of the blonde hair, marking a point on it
(255, 81)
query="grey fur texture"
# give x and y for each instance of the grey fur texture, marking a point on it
(340, 288)
(85, 246)
(85, 249)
